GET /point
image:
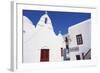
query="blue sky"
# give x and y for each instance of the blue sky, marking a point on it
(60, 20)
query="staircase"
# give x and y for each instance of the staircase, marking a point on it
(88, 55)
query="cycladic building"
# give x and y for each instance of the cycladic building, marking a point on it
(80, 40)
(40, 43)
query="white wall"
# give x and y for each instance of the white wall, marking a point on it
(35, 45)
(83, 28)
(38, 38)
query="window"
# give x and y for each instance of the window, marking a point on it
(61, 51)
(45, 20)
(79, 39)
(78, 57)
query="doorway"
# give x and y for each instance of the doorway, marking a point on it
(44, 55)
(78, 57)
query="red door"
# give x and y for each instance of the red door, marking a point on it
(44, 55)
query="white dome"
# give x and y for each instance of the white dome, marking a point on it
(26, 20)
(28, 25)
(28, 29)
(60, 35)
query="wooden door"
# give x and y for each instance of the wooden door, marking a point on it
(44, 55)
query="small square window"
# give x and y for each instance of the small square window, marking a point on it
(79, 39)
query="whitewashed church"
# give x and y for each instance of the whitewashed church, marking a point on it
(40, 43)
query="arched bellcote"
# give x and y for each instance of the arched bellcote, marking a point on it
(45, 21)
